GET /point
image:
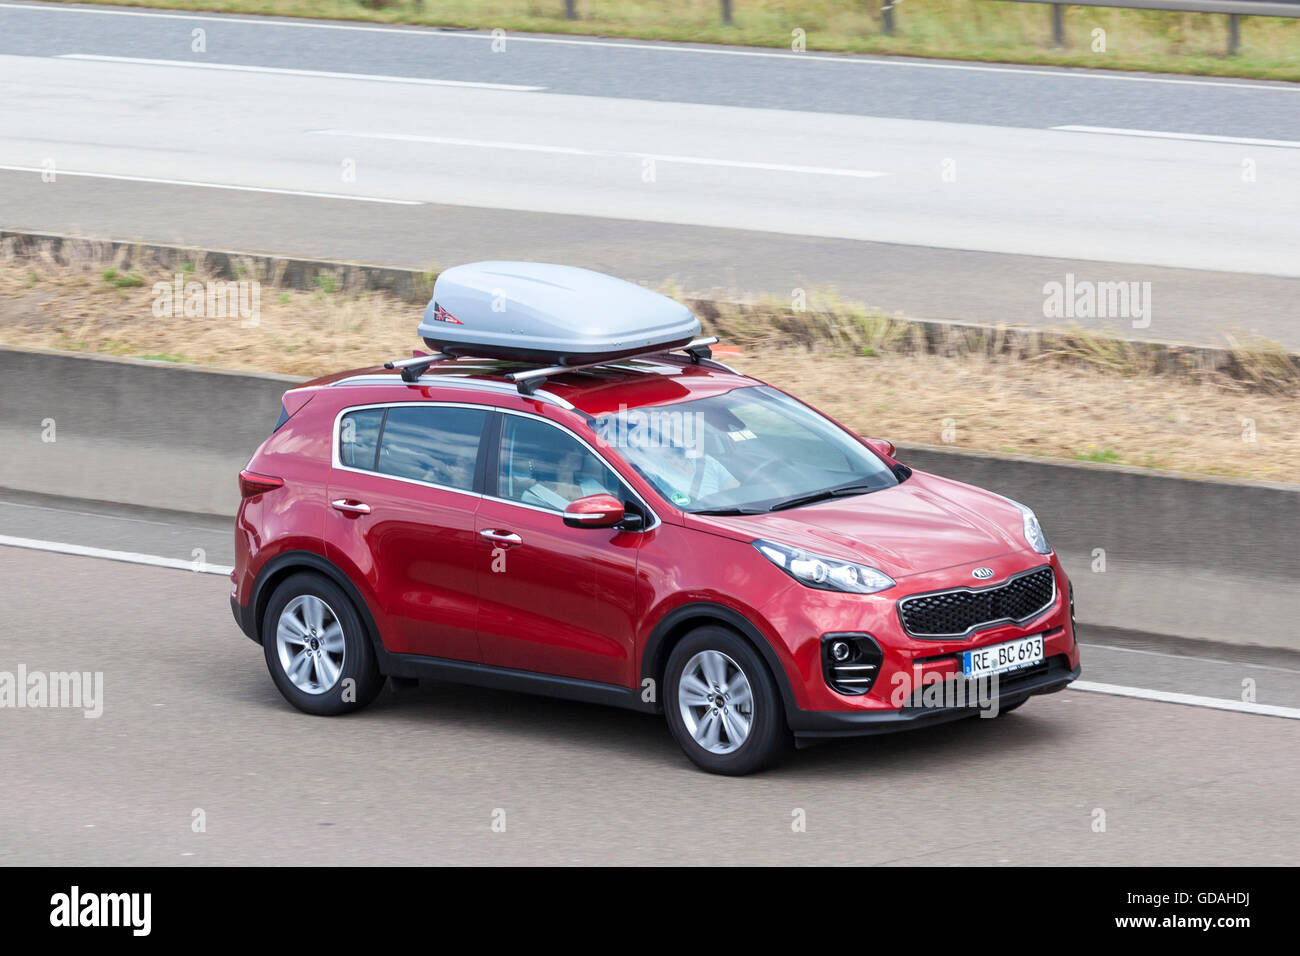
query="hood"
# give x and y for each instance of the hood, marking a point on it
(924, 524)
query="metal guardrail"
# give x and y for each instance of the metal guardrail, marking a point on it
(1235, 9)
(1245, 8)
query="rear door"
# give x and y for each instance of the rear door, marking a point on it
(553, 599)
(403, 494)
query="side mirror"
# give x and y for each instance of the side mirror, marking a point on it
(881, 445)
(594, 511)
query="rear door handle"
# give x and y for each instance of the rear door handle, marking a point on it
(500, 537)
(351, 507)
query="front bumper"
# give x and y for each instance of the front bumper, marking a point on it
(843, 723)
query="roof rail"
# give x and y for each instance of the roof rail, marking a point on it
(528, 380)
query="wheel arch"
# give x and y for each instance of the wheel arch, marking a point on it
(679, 622)
(284, 566)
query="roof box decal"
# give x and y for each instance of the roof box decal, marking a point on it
(540, 313)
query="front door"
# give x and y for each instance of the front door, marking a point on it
(553, 599)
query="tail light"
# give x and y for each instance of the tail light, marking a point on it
(251, 484)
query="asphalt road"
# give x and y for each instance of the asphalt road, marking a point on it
(769, 171)
(191, 722)
(887, 87)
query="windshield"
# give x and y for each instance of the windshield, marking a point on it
(749, 450)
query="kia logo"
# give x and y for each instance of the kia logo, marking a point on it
(982, 573)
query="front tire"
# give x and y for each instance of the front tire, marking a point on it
(722, 704)
(317, 649)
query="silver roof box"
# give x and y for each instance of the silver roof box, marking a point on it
(548, 314)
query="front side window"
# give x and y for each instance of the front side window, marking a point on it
(750, 450)
(541, 465)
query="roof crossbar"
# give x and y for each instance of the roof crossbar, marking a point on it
(529, 380)
(415, 366)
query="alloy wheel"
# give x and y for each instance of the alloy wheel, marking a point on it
(309, 641)
(716, 702)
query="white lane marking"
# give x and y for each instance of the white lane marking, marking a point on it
(186, 182)
(620, 154)
(131, 557)
(1188, 657)
(1194, 137)
(285, 71)
(664, 48)
(1192, 700)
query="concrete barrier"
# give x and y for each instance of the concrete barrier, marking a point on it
(1165, 554)
(129, 430)
(1154, 551)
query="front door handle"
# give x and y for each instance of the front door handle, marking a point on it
(501, 537)
(351, 507)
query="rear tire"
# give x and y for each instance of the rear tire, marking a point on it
(722, 704)
(317, 649)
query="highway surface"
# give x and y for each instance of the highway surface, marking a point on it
(938, 189)
(191, 722)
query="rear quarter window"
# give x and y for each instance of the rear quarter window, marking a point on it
(359, 438)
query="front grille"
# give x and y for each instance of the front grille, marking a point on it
(961, 611)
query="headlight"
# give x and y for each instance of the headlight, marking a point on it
(1033, 530)
(828, 574)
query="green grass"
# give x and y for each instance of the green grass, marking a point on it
(123, 280)
(961, 29)
(1104, 456)
(165, 357)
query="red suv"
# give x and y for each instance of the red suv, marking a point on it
(659, 533)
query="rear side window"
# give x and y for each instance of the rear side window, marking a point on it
(359, 438)
(433, 443)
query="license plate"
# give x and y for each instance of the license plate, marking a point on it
(1001, 658)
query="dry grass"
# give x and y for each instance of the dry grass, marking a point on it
(1088, 398)
(1064, 411)
(88, 303)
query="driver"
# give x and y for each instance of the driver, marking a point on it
(684, 477)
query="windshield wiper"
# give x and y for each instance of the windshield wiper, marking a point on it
(730, 511)
(824, 494)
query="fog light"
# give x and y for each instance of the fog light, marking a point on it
(851, 662)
